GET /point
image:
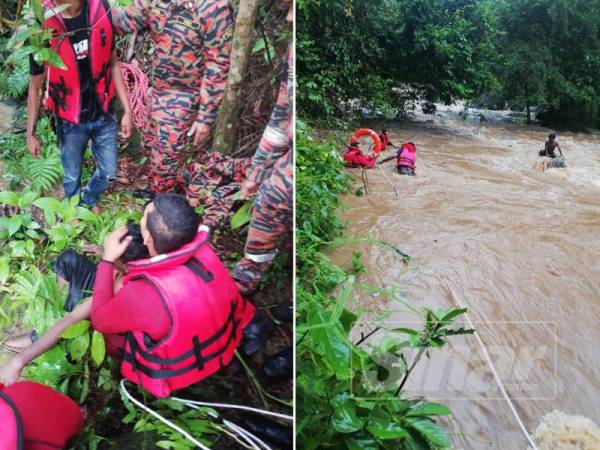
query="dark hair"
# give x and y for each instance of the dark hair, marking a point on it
(136, 248)
(173, 222)
(412, 144)
(384, 131)
(551, 136)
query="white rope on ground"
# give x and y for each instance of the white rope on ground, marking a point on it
(254, 442)
(495, 372)
(233, 406)
(242, 431)
(161, 418)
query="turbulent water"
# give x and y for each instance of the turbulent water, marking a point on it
(518, 246)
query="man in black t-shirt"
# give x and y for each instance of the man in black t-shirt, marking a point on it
(80, 96)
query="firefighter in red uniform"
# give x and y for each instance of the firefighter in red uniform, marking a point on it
(270, 176)
(80, 95)
(192, 44)
(35, 417)
(178, 316)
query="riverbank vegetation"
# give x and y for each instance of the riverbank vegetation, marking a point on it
(350, 385)
(394, 55)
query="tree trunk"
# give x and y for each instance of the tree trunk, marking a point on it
(528, 104)
(225, 133)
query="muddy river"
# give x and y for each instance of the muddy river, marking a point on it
(519, 247)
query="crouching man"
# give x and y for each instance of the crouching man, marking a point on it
(178, 317)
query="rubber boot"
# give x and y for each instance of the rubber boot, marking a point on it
(270, 431)
(256, 334)
(284, 312)
(280, 365)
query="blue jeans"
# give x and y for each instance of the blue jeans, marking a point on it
(73, 142)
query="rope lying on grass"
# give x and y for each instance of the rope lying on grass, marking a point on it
(235, 431)
(136, 83)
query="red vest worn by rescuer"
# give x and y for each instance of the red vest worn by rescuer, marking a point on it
(63, 95)
(407, 156)
(207, 314)
(35, 417)
(355, 157)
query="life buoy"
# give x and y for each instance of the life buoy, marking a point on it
(370, 133)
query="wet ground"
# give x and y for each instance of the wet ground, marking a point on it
(517, 246)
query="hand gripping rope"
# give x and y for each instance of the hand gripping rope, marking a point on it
(239, 434)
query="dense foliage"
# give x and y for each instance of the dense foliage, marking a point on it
(386, 54)
(346, 397)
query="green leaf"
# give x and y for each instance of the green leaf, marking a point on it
(344, 418)
(98, 348)
(360, 441)
(382, 426)
(429, 430)
(242, 216)
(79, 345)
(14, 224)
(9, 198)
(36, 5)
(85, 214)
(409, 331)
(48, 204)
(55, 60)
(55, 10)
(77, 329)
(4, 270)
(429, 409)
(27, 198)
(453, 313)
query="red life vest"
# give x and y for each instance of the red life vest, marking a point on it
(63, 94)
(407, 156)
(35, 417)
(207, 314)
(355, 157)
(384, 140)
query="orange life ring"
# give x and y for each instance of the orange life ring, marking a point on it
(367, 132)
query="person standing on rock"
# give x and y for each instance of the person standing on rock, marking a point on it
(190, 63)
(80, 95)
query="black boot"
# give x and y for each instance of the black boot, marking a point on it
(146, 194)
(256, 334)
(80, 272)
(272, 432)
(280, 365)
(284, 312)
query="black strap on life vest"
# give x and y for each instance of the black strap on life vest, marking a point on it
(18, 419)
(58, 92)
(198, 346)
(196, 266)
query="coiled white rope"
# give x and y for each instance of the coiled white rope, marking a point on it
(236, 432)
(494, 372)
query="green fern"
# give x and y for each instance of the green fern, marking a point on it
(14, 79)
(42, 174)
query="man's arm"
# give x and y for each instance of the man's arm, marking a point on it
(389, 158)
(130, 18)
(33, 109)
(117, 75)
(10, 372)
(216, 53)
(275, 140)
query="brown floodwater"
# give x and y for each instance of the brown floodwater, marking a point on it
(518, 246)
